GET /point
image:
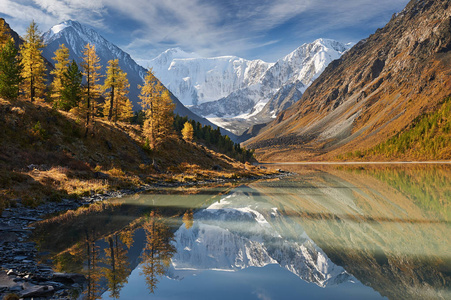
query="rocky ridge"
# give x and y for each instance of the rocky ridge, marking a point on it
(372, 92)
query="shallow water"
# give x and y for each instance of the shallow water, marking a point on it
(329, 232)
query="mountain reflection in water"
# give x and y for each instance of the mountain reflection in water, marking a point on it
(347, 232)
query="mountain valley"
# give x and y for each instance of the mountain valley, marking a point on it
(372, 93)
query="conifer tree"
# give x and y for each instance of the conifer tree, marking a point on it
(117, 105)
(90, 66)
(159, 110)
(126, 113)
(187, 131)
(10, 70)
(33, 67)
(71, 92)
(61, 65)
(4, 33)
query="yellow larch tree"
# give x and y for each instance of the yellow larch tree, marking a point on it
(159, 109)
(61, 66)
(4, 34)
(33, 67)
(90, 66)
(117, 106)
(187, 131)
(126, 112)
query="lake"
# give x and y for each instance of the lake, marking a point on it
(326, 232)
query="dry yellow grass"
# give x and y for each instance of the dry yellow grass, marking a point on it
(44, 155)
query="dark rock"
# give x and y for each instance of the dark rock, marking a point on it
(16, 288)
(68, 278)
(101, 175)
(216, 168)
(20, 257)
(31, 290)
(109, 145)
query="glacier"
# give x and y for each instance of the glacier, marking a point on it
(235, 88)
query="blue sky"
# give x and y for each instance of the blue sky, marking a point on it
(265, 29)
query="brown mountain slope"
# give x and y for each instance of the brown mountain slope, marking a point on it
(373, 92)
(44, 155)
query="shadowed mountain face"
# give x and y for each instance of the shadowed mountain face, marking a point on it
(373, 91)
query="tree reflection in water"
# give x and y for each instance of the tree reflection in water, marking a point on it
(158, 251)
(93, 273)
(188, 219)
(117, 266)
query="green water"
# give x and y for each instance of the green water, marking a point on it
(328, 232)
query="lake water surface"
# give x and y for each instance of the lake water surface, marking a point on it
(328, 232)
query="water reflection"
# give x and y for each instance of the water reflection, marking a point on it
(117, 267)
(351, 232)
(158, 251)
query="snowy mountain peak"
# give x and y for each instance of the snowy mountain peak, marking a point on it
(75, 36)
(331, 44)
(294, 73)
(164, 60)
(195, 79)
(178, 53)
(63, 27)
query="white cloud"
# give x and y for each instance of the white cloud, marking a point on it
(209, 27)
(47, 13)
(24, 14)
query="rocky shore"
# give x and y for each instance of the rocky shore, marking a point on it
(21, 273)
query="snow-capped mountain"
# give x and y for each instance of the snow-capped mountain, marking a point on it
(197, 80)
(230, 86)
(298, 69)
(75, 36)
(239, 232)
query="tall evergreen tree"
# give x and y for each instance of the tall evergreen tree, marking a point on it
(33, 67)
(10, 70)
(61, 65)
(71, 92)
(91, 66)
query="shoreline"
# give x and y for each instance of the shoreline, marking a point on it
(356, 163)
(20, 272)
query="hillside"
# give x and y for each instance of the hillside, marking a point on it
(75, 36)
(372, 93)
(45, 156)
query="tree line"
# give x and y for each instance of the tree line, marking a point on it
(212, 138)
(76, 89)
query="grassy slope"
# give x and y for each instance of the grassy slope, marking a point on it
(44, 155)
(428, 137)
